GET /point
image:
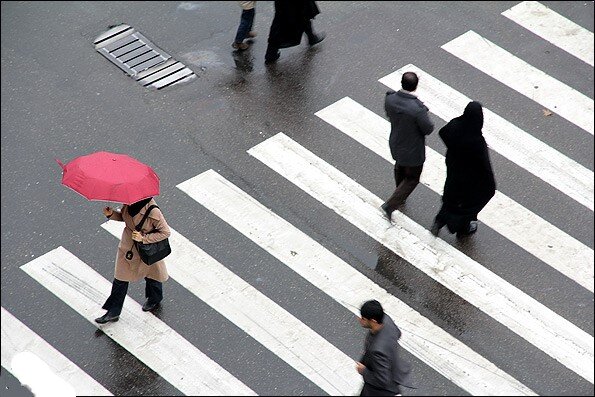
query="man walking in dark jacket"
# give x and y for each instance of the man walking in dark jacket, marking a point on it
(410, 124)
(383, 370)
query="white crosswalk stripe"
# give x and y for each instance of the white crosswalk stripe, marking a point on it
(531, 320)
(343, 283)
(507, 139)
(534, 84)
(18, 338)
(160, 347)
(524, 228)
(553, 27)
(246, 307)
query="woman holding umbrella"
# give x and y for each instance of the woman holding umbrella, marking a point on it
(129, 266)
(105, 176)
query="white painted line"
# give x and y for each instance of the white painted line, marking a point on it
(18, 338)
(145, 336)
(526, 151)
(507, 304)
(286, 336)
(513, 221)
(342, 282)
(553, 27)
(523, 78)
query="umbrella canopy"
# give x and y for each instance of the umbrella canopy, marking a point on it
(105, 176)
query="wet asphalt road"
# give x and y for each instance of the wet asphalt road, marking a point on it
(62, 99)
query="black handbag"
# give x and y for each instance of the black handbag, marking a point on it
(153, 252)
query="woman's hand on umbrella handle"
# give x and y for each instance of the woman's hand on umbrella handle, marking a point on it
(108, 211)
(137, 236)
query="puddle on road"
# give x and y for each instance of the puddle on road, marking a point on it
(204, 59)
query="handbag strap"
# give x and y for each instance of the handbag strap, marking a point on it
(142, 222)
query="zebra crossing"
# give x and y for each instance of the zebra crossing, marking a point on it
(563, 346)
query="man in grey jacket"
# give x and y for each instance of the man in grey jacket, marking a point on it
(381, 366)
(410, 124)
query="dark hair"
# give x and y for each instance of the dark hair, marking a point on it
(372, 310)
(409, 81)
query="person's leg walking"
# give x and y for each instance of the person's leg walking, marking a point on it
(153, 293)
(114, 302)
(410, 179)
(245, 26)
(313, 38)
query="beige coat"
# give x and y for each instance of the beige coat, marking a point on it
(135, 269)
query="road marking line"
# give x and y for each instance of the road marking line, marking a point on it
(523, 78)
(286, 336)
(145, 336)
(553, 27)
(18, 338)
(507, 304)
(526, 151)
(513, 221)
(342, 282)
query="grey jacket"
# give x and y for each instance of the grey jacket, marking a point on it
(385, 369)
(410, 124)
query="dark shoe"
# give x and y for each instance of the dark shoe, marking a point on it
(387, 213)
(472, 229)
(317, 38)
(436, 226)
(268, 59)
(106, 318)
(148, 307)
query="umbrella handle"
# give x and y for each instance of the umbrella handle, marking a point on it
(60, 163)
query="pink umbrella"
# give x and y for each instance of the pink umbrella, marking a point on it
(105, 176)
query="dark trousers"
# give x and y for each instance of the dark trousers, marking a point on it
(115, 302)
(246, 21)
(369, 390)
(406, 179)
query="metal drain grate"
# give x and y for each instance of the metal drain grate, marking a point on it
(140, 58)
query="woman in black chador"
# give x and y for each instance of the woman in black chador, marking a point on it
(470, 180)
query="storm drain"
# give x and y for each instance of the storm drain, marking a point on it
(140, 58)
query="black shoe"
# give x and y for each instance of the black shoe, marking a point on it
(472, 229)
(316, 38)
(387, 213)
(147, 307)
(268, 59)
(436, 226)
(106, 318)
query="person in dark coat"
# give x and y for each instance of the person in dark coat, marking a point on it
(381, 366)
(470, 182)
(410, 124)
(292, 19)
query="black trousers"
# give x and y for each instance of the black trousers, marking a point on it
(115, 302)
(406, 179)
(369, 390)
